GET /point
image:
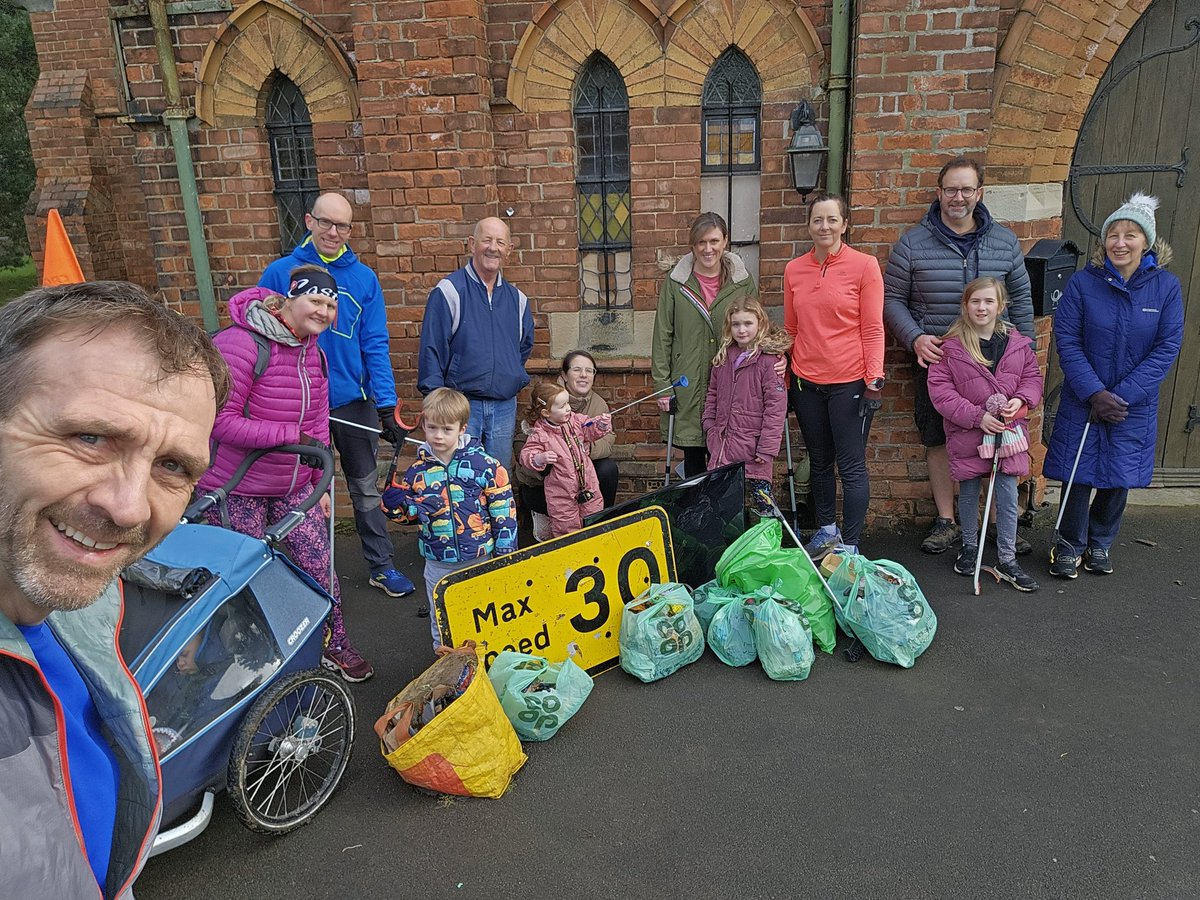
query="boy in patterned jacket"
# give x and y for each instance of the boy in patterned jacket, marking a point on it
(460, 497)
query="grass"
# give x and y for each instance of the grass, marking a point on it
(17, 280)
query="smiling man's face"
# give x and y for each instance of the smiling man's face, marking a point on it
(98, 460)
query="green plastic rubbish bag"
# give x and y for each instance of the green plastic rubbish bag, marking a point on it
(710, 597)
(880, 603)
(731, 633)
(660, 632)
(538, 696)
(756, 559)
(783, 639)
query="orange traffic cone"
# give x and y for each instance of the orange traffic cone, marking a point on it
(60, 265)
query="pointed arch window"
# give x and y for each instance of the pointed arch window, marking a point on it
(293, 158)
(601, 108)
(730, 150)
(732, 102)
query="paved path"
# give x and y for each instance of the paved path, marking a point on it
(1045, 746)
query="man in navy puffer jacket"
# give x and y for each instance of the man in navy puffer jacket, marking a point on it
(362, 388)
(956, 242)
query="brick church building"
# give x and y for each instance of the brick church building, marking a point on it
(598, 129)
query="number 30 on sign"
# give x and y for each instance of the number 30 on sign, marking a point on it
(560, 598)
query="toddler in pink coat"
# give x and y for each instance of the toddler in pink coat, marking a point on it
(558, 445)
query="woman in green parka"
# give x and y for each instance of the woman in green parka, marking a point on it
(687, 329)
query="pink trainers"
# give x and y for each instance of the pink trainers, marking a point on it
(347, 662)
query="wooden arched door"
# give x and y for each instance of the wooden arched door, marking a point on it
(1141, 132)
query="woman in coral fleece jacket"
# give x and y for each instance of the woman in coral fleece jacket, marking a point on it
(286, 403)
(833, 309)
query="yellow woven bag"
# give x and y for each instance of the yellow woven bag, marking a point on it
(468, 748)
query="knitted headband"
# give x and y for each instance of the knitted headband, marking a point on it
(1138, 209)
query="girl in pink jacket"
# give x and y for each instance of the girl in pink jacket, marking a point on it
(284, 402)
(558, 445)
(745, 410)
(984, 386)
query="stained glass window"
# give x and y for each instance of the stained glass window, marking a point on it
(601, 109)
(293, 158)
(732, 104)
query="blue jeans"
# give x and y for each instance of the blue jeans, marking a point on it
(1089, 522)
(493, 423)
(1004, 501)
(435, 572)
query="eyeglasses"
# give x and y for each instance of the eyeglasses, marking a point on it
(343, 228)
(965, 193)
(581, 370)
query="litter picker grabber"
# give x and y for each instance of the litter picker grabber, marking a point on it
(1066, 491)
(681, 381)
(670, 438)
(987, 508)
(791, 469)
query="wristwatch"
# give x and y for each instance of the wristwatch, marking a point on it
(876, 385)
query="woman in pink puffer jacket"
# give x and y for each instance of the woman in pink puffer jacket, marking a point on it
(286, 403)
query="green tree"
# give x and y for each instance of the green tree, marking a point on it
(18, 74)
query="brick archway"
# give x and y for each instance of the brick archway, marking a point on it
(566, 33)
(786, 57)
(260, 38)
(1047, 70)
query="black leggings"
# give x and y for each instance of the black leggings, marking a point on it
(834, 432)
(534, 498)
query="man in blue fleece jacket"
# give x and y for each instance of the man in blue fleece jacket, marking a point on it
(476, 337)
(362, 388)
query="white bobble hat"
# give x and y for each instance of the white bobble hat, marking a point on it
(1138, 209)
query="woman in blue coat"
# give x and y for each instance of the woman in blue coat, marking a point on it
(1118, 330)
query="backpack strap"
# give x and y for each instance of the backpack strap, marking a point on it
(261, 360)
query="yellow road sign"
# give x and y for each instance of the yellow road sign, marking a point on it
(560, 598)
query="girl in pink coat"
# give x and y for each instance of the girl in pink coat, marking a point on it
(558, 445)
(984, 386)
(745, 410)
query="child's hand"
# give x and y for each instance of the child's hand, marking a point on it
(991, 425)
(546, 458)
(1012, 407)
(605, 423)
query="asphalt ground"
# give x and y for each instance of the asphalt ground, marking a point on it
(1044, 746)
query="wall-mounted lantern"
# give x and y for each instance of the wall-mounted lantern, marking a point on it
(806, 150)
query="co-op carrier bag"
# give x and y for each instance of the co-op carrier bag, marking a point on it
(660, 633)
(538, 696)
(881, 604)
(463, 744)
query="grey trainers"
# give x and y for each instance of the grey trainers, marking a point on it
(944, 535)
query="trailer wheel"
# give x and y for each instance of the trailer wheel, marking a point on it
(291, 751)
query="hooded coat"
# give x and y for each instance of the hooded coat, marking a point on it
(1121, 336)
(927, 272)
(288, 399)
(686, 337)
(745, 410)
(570, 441)
(356, 344)
(959, 387)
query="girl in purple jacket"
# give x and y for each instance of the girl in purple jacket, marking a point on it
(286, 403)
(985, 384)
(745, 410)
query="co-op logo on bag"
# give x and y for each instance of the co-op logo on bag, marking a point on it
(300, 629)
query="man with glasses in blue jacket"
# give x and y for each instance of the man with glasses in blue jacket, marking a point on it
(362, 388)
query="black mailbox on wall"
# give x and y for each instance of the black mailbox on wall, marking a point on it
(1050, 263)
